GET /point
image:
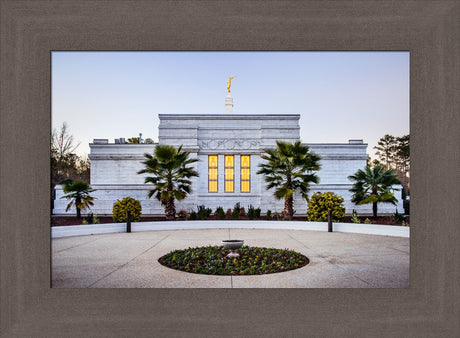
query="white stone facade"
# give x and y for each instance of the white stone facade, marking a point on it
(114, 166)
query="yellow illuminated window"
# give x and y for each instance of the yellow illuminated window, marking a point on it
(245, 173)
(212, 173)
(229, 177)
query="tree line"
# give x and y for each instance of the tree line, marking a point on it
(394, 153)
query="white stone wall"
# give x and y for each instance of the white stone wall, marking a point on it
(117, 164)
(114, 167)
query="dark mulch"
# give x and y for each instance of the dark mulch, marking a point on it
(213, 260)
(72, 220)
(386, 220)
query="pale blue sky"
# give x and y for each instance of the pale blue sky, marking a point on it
(339, 95)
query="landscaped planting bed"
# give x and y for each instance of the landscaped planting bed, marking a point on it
(213, 260)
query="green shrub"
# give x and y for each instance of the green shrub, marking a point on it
(251, 212)
(203, 212)
(236, 211)
(354, 217)
(220, 213)
(281, 216)
(367, 221)
(320, 203)
(91, 219)
(398, 217)
(257, 212)
(126, 204)
(269, 215)
(193, 215)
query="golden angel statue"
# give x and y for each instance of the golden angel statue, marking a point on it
(230, 83)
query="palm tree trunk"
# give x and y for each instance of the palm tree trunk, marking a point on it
(170, 209)
(77, 203)
(288, 208)
(374, 209)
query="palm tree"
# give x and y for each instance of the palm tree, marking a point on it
(289, 167)
(78, 194)
(171, 176)
(373, 185)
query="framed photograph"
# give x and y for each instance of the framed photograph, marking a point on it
(32, 30)
(329, 110)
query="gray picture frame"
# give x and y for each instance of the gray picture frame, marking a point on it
(30, 30)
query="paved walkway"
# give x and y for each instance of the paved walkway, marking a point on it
(337, 260)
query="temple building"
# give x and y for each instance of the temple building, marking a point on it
(228, 147)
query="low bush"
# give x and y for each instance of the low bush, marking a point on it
(91, 219)
(220, 213)
(268, 215)
(399, 217)
(251, 212)
(120, 208)
(193, 215)
(354, 217)
(320, 203)
(236, 211)
(367, 221)
(203, 212)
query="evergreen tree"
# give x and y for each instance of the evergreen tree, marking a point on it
(386, 150)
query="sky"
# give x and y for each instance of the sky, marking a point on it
(339, 95)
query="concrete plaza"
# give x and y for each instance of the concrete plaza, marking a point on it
(130, 260)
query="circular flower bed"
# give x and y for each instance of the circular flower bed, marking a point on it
(213, 260)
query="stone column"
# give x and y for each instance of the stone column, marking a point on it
(228, 104)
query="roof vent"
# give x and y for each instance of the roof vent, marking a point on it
(355, 142)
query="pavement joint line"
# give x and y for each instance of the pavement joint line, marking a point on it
(350, 273)
(302, 243)
(327, 260)
(121, 266)
(75, 246)
(388, 247)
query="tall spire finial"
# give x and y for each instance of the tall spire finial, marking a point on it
(229, 83)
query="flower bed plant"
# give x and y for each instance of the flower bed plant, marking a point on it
(213, 260)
